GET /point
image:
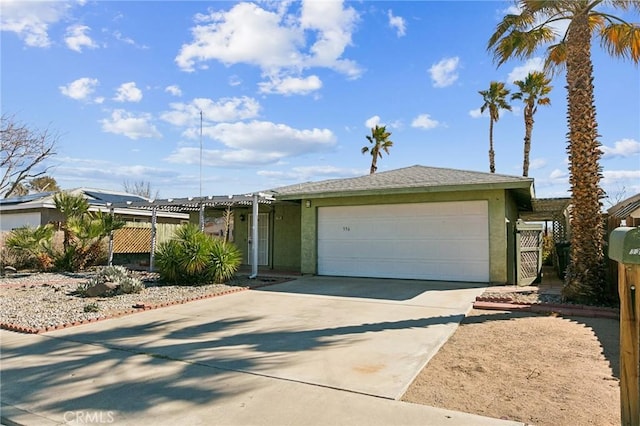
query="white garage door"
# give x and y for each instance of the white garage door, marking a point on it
(431, 241)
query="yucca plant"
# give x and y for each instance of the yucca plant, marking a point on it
(225, 259)
(195, 258)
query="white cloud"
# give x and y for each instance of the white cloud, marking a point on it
(558, 174)
(291, 85)
(30, 20)
(130, 125)
(225, 109)
(521, 72)
(372, 122)
(238, 36)
(618, 175)
(475, 113)
(622, 148)
(398, 23)
(80, 89)
(128, 92)
(254, 143)
(77, 38)
(174, 90)
(537, 163)
(444, 73)
(128, 40)
(307, 173)
(424, 121)
(235, 80)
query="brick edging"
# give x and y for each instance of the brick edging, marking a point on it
(506, 304)
(138, 307)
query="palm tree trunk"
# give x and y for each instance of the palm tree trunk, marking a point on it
(528, 128)
(585, 277)
(492, 154)
(374, 159)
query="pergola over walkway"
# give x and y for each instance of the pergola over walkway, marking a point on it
(199, 204)
(550, 210)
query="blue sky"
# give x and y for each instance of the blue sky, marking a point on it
(288, 91)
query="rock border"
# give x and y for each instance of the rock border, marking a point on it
(506, 304)
(136, 308)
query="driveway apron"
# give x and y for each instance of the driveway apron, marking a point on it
(364, 336)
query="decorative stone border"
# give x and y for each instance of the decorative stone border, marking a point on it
(506, 304)
(138, 307)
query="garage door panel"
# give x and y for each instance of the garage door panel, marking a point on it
(437, 241)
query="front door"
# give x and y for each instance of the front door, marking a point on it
(263, 239)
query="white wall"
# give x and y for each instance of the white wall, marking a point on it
(9, 221)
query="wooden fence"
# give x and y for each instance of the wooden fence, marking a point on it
(135, 237)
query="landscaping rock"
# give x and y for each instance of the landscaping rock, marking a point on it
(101, 289)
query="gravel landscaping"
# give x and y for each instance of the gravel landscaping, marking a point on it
(40, 301)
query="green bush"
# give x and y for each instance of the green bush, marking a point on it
(194, 258)
(31, 247)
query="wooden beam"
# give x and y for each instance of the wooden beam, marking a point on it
(629, 291)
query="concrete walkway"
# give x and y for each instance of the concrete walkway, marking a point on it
(311, 351)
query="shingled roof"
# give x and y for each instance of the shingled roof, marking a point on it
(409, 179)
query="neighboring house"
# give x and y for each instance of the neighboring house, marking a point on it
(417, 222)
(625, 213)
(39, 209)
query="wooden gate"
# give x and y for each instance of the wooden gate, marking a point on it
(528, 252)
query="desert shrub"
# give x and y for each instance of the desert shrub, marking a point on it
(195, 258)
(91, 307)
(225, 259)
(113, 274)
(31, 247)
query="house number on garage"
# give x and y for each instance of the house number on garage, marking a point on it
(346, 229)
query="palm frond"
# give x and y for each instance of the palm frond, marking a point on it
(621, 40)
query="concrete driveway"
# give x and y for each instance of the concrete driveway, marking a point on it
(307, 351)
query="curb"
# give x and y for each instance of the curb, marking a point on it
(505, 304)
(138, 307)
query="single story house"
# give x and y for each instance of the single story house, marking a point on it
(413, 223)
(40, 209)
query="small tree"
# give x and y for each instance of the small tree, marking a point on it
(141, 188)
(23, 153)
(43, 184)
(84, 231)
(379, 139)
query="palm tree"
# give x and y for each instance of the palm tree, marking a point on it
(380, 139)
(73, 207)
(494, 101)
(533, 92)
(520, 36)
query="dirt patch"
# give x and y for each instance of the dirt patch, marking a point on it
(543, 370)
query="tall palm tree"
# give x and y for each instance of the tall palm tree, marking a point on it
(520, 36)
(533, 92)
(380, 139)
(495, 99)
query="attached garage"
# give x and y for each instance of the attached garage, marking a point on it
(430, 241)
(418, 222)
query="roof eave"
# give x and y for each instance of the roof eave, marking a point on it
(526, 185)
